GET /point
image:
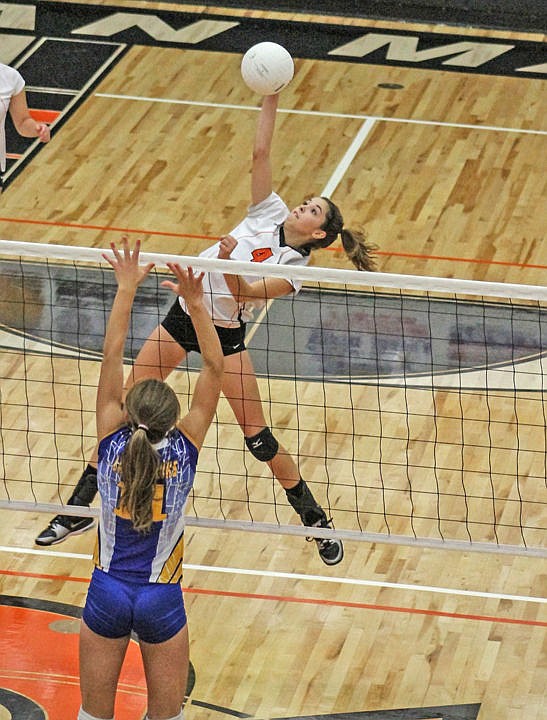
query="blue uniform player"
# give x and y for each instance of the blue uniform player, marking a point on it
(147, 460)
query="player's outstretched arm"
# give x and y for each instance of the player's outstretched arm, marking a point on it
(261, 175)
(207, 390)
(129, 275)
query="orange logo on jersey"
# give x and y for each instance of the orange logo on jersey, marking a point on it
(261, 254)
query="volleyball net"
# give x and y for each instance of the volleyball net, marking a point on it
(415, 407)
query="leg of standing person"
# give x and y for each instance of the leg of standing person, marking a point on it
(158, 357)
(101, 662)
(166, 670)
(240, 387)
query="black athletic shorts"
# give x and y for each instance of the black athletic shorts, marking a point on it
(179, 325)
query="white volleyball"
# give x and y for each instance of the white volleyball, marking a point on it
(267, 68)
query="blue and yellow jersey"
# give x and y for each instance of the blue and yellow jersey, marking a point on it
(122, 551)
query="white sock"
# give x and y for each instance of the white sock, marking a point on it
(83, 715)
(180, 716)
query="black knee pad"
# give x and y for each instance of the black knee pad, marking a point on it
(86, 489)
(263, 445)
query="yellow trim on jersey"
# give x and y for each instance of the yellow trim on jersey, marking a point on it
(172, 570)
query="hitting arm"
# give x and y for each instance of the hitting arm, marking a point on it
(261, 175)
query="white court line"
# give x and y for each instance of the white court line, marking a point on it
(299, 576)
(315, 113)
(349, 155)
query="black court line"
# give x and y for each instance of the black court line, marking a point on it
(59, 75)
(441, 712)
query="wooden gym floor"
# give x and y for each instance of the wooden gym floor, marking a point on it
(447, 174)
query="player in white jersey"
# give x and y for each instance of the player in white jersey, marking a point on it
(147, 461)
(13, 100)
(270, 233)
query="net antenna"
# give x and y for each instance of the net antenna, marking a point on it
(414, 406)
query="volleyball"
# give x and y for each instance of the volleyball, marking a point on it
(267, 68)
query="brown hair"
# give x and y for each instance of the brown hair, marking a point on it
(153, 409)
(355, 243)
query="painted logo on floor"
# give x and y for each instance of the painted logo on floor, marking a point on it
(357, 337)
(234, 33)
(38, 684)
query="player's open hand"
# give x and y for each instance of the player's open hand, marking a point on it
(125, 263)
(188, 285)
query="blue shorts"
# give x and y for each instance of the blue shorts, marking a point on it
(114, 608)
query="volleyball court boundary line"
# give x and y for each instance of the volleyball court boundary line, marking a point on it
(316, 601)
(78, 96)
(299, 576)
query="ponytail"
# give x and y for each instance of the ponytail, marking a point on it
(140, 470)
(358, 250)
(355, 244)
(153, 409)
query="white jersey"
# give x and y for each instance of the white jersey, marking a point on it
(11, 83)
(258, 240)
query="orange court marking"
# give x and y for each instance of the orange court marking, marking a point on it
(308, 601)
(212, 239)
(45, 116)
(50, 679)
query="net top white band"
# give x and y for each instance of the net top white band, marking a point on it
(311, 274)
